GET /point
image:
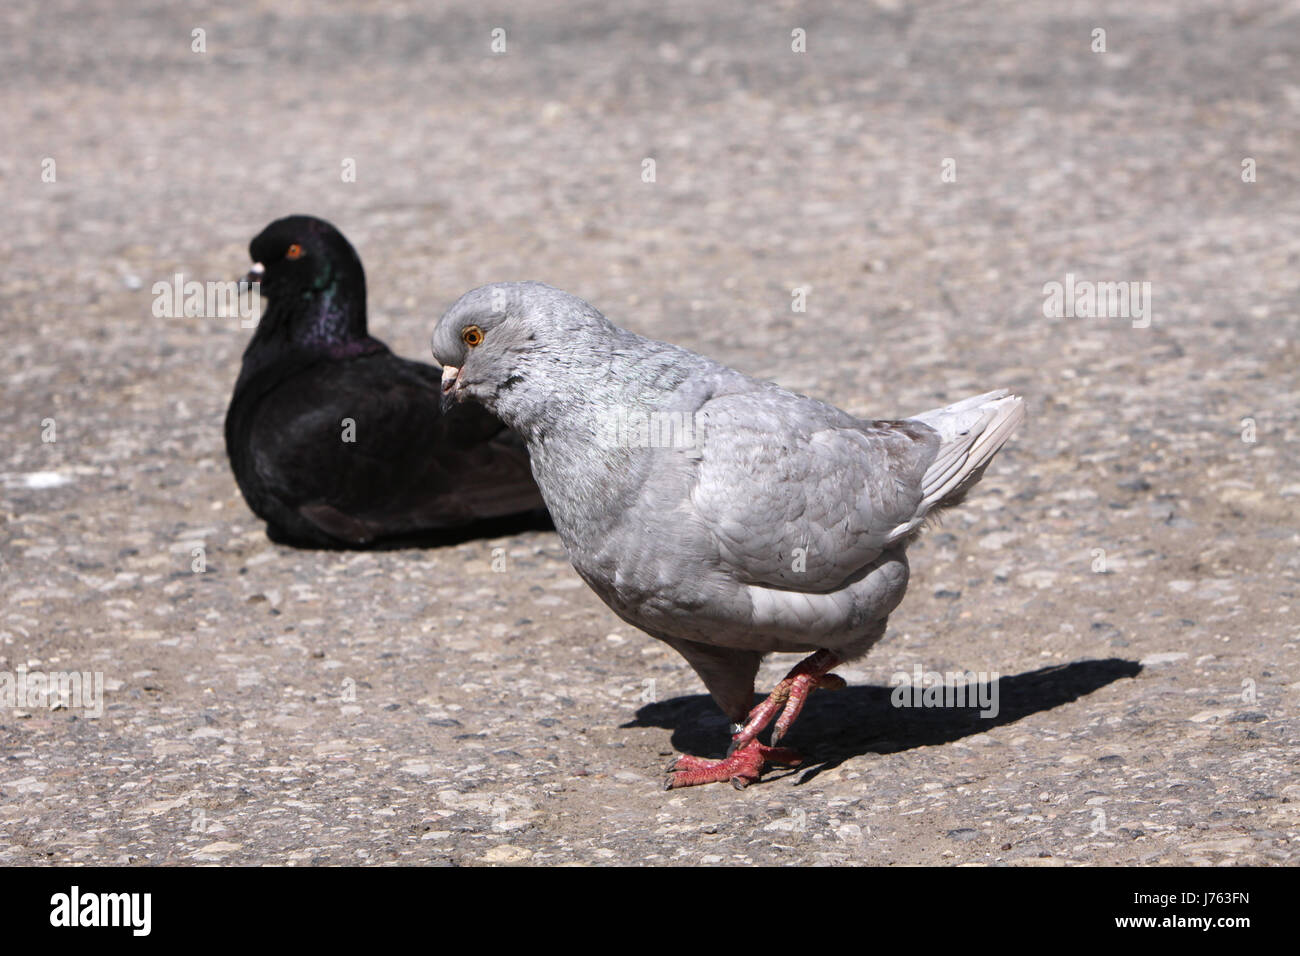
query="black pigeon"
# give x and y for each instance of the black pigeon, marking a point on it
(337, 442)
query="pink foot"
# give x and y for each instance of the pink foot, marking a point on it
(743, 767)
(745, 761)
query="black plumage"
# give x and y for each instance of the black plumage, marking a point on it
(337, 442)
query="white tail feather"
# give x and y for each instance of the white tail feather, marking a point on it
(970, 434)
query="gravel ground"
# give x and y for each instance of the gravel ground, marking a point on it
(1129, 565)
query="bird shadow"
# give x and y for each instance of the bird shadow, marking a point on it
(838, 725)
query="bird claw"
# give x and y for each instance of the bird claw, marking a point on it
(746, 757)
(687, 762)
(741, 768)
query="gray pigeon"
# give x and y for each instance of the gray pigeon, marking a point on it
(722, 515)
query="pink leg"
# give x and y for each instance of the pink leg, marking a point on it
(747, 757)
(803, 686)
(792, 692)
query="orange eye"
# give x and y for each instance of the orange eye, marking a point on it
(294, 252)
(471, 335)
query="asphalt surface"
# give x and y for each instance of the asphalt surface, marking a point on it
(1128, 568)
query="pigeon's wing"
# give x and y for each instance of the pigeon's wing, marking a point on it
(799, 495)
(361, 449)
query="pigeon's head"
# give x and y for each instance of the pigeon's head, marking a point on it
(302, 256)
(505, 341)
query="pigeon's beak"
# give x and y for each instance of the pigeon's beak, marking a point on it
(255, 273)
(450, 376)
